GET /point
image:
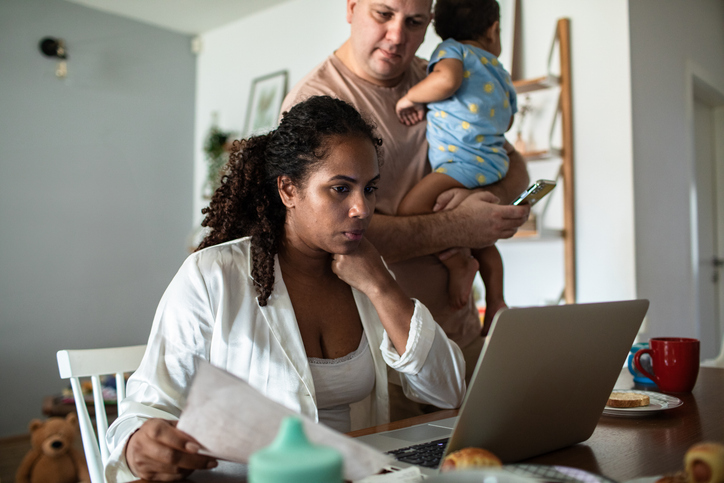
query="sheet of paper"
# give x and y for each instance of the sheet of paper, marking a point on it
(232, 420)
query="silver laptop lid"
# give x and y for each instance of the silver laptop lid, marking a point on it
(544, 376)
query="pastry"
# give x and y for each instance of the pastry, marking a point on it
(470, 458)
(704, 463)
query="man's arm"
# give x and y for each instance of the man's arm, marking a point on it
(476, 223)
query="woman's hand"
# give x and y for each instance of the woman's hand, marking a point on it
(363, 269)
(160, 452)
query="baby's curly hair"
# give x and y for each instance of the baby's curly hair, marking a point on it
(248, 204)
(464, 19)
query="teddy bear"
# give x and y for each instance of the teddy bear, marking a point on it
(53, 458)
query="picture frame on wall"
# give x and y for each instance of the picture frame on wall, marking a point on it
(265, 100)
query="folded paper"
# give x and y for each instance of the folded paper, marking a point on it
(231, 420)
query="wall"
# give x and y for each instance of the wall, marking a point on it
(233, 55)
(602, 147)
(666, 37)
(294, 36)
(95, 188)
(230, 60)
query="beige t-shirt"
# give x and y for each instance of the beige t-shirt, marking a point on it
(404, 165)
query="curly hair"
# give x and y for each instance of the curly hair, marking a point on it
(248, 203)
(465, 19)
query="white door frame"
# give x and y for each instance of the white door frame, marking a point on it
(701, 85)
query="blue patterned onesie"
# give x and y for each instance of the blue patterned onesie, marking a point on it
(466, 131)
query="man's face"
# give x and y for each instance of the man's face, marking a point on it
(385, 36)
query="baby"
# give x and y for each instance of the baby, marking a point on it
(471, 102)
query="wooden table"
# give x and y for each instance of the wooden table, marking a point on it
(627, 448)
(621, 448)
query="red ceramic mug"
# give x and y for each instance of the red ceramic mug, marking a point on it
(675, 363)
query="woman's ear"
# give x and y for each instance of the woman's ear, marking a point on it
(287, 191)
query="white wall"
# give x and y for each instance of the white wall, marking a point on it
(293, 36)
(301, 33)
(95, 188)
(666, 37)
(601, 137)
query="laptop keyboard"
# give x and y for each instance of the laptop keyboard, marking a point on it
(425, 454)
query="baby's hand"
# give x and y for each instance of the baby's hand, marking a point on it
(410, 113)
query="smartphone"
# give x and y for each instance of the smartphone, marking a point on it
(537, 191)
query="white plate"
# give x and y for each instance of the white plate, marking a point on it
(481, 475)
(521, 473)
(556, 474)
(657, 402)
(645, 479)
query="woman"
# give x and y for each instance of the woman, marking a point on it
(286, 293)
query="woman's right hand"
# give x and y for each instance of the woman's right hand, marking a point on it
(365, 271)
(160, 452)
(362, 269)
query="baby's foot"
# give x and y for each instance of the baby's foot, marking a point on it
(460, 281)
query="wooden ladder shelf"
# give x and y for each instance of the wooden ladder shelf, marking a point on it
(565, 152)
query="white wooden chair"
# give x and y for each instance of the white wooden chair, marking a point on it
(94, 363)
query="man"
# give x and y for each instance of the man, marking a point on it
(372, 70)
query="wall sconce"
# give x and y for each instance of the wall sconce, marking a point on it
(52, 47)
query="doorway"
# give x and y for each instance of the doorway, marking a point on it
(708, 226)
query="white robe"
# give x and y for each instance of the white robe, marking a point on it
(210, 310)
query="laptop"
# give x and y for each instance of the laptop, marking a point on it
(541, 383)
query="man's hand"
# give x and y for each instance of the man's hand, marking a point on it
(477, 222)
(160, 452)
(404, 237)
(483, 221)
(449, 199)
(410, 113)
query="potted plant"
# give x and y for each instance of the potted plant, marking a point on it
(216, 149)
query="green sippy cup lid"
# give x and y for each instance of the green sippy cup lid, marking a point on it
(291, 457)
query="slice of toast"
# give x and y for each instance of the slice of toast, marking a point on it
(627, 400)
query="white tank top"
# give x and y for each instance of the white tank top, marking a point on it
(341, 382)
